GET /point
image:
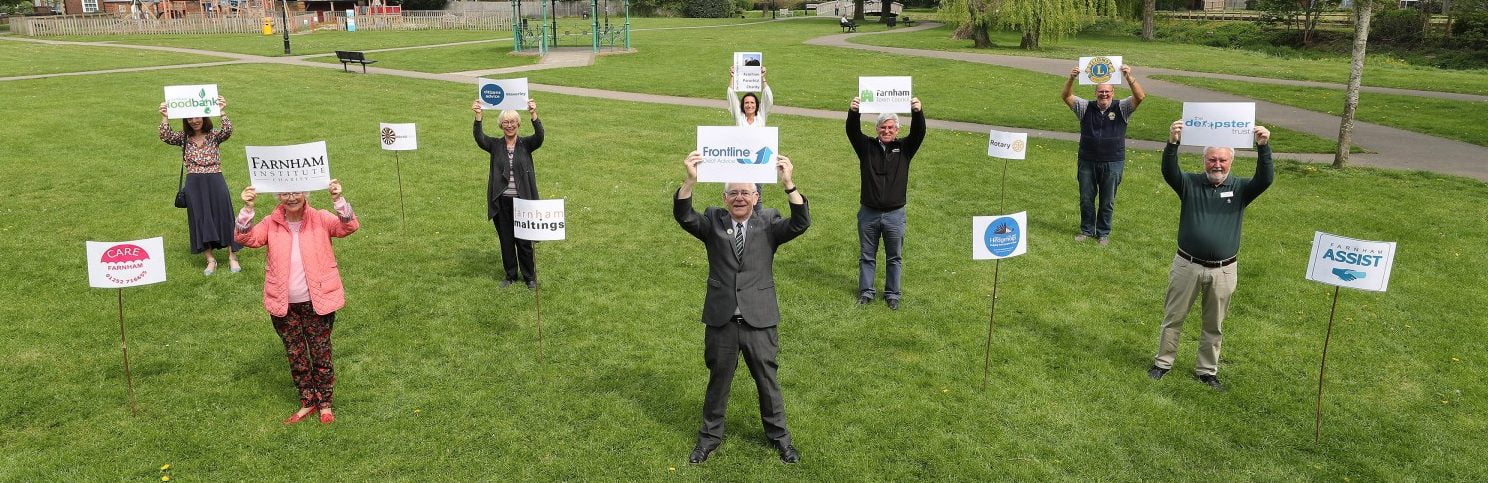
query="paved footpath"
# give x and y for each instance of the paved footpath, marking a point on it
(1391, 148)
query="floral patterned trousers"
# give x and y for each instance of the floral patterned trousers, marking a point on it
(307, 341)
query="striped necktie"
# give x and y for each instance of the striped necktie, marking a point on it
(739, 240)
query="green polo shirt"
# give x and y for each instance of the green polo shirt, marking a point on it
(1210, 217)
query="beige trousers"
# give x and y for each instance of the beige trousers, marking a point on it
(1188, 281)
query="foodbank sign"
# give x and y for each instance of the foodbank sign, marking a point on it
(191, 101)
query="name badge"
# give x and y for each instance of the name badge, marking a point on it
(895, 150)
(1227, 194)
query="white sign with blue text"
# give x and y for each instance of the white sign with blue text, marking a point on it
(502, 94)
(1229, 124)
(996, 237)
(1100, 69)
(737, 154)
(1346, 262)
(884, 94)
(191, 101)
(538, 220)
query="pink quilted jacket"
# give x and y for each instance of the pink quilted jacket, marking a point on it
(326, 293)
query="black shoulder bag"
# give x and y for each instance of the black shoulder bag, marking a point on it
(181, 182)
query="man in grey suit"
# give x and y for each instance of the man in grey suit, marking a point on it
(741, 310)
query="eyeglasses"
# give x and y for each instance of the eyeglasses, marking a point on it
(738, 194)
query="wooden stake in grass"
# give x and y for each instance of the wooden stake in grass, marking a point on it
(542, 360)
(1317, 429)
(124, 346)
(403, 215)
(996, 270)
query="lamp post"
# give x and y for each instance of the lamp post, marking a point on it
(284, 19)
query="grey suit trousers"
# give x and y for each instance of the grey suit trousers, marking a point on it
(722, 346)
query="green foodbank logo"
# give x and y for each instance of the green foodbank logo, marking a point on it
(200, 101)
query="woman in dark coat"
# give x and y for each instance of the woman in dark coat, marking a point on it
(209, 206)
(512, 176)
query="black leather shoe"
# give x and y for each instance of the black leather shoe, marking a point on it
(699, 454)
(1156, 372)
(1212, 381)
(893, 304)
(507, 283)
(531, 285)
(864, 300)
(789, 455)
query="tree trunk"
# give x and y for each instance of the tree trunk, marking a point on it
(1031, 32)
(1149, 10)
(1356, 75)
(858, 11)
(980, 38)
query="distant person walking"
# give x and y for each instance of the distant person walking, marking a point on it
(302, 286)
(1102, 157)
(209, 205)
(1212, 206)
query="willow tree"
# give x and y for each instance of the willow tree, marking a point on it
(1036, 19)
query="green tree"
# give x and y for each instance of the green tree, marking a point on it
(1036, 19)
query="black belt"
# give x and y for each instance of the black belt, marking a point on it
(737, 318)
(1206, 263)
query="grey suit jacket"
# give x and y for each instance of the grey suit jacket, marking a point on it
(748, 282)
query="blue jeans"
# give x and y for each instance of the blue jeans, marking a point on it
(1098, 179)
(873, 224)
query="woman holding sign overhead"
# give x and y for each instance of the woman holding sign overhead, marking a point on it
(209, 205)
(750, 110)
(302, 287)
(511, 176)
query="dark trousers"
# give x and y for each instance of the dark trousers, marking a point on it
(721, 349)
(307, 341)
(872, 226)
(514, 251)
(1098, 179)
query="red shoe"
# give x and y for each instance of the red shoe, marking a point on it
(297, 416)
(327, 417)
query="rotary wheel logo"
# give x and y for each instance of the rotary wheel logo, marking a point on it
(124, 263)
(1018, 146)
(389, 136)
(1099, 70)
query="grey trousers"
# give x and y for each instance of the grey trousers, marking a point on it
(721, 349)
(1188, 281)
(872, 226)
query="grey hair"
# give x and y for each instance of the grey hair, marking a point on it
(1218, 148)
(886, 117)
(509, 115)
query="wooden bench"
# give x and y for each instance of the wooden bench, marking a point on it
(348, 57)
(908, 22)
(848, 25)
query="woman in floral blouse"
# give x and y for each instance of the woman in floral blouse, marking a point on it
(209, 206)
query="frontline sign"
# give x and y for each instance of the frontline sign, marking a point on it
(1007, 145)
(995, 237)
(507, 94)
(1103, 69)
(538, 220)
(282, 169)
(191, 101)
(1229, 124)
(126, 264)
(884, 94)
(1346, 262)
(737, 154)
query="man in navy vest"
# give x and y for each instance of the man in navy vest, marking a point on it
(1102, 150)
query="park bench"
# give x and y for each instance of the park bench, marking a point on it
(348, 57)
(848, 25)
(908, 22)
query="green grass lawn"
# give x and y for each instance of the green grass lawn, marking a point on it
(438, 375)
(826, 78)
(458, 58)
(1378, 71)
(1437, 117)
(28, 58)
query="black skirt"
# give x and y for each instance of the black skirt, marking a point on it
(209, 215)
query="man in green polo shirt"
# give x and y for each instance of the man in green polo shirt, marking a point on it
(1212, 208)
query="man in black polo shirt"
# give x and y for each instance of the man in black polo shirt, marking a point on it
(1102, 155)
(1212, 209)
(883, 169)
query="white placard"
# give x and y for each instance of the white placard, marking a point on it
(538, 220)
(502, 94)
(1229, 124)
(191, 101)
(397, 137)
(1100, 69)
(1351, 263)
(282, 169)
(737, 154)
(126, 264)
(994, 237)
(749, 71)
(1007, 145)
(884, 94)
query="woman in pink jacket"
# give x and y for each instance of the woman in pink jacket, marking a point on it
(302, 288)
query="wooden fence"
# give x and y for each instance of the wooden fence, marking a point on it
(431, 20)
(107, 24)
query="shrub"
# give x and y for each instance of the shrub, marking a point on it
(1398, 26)
(709, 8)
(1471, 29)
